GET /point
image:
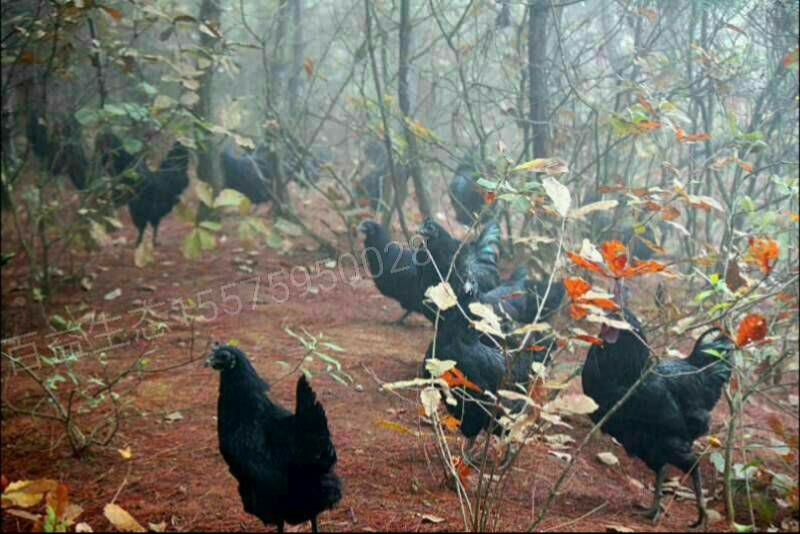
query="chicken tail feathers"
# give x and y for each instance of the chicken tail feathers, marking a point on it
(487, 243)
(314, 448)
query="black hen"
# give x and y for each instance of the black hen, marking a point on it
(669, 410)
(519, 298)
(369, 190)
(150, 195)
(62, 151)
(474, 264)
(483, 366)
(283, 462)
(251, 174)
(392, 268)
(467, 196)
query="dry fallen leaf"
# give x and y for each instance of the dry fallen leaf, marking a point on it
(121, 519)
(27, 493)
(607, 458)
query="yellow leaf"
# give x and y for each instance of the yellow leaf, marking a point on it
(531, 165)
(391, 425)
(125, 453)
(121, 519)
(27, 493)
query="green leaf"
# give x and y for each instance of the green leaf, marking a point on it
(718, 461)
(337, 378)
(327, 359)
(191, 246)
(703, 295)
(231, 197)
(211, 226)
(148, 89)
(743, 528)
(86, 116)
(131, 145)
(487, 184)
(207, 239)
(332, 346)
(204, 193)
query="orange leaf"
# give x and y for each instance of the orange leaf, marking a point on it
(610, 188)
(577, 312)
(680, 135)
(615, 255)
(752, 328)
(642, 267)
(489, 196)
(576, 286)
(747, 167)
(589, 339)
(450, 422)
(454, 377)
(794, 216)
(648, 125)
(652, 206)
(762, 252)
(698, 137)
(535, 348)
(646, 105)
(792, 57)
(586, 264)
(308, 65)
(462, 469)
(606, 304)
(670, 213)
(113, 13)
(775, 424)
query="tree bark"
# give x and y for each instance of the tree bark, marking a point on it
(405, 107)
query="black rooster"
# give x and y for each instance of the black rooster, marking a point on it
(150, 195)
(474, 264)
(392, 268)
(283, 462)
(669, 410)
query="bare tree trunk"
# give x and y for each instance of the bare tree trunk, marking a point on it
(296, 80)
(537, 86)
(208, 167)
(405, 107)
(278, 64)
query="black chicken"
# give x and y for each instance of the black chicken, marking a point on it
(283, 462)
(369, 190)
(392, 268)
(251, 174)
(484, 366)
(150, 195)
(62, 150)
(467, 196)
(519, 298)
(669, 410)
(474, 264)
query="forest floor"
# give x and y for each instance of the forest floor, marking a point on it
(391, 482)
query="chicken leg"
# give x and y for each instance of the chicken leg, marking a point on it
(702, 516)
(654, 512)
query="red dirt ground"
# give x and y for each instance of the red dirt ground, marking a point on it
(176, 473)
